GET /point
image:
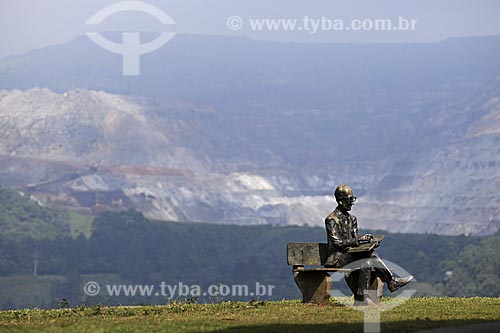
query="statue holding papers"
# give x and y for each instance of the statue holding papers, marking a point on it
(346, 246)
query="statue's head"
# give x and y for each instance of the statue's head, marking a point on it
(344, 196)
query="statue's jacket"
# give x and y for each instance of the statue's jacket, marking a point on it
(342, 233)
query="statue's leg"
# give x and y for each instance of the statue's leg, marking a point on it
(352, 280)
(365, 294)
(376, 289)
(362, 295)
(316, 286)
(383, 271)
(366, 284)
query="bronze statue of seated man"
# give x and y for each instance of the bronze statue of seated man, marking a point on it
(342, 233)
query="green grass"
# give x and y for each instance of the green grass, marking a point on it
(283, 316)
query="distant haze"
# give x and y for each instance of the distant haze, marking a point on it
(233, 130)
(30, 24)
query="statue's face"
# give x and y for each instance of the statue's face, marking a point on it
(347, 202)
(345, 197)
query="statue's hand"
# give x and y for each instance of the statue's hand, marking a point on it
(365, 238)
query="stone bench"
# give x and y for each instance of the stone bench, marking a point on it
(312, 278)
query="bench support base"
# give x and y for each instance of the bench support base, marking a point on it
(315, 286)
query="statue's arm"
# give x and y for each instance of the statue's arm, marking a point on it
(336, 238)
(355, 226)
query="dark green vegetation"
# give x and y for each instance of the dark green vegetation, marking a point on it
(257, 316)
(126, 248)
(21, 217)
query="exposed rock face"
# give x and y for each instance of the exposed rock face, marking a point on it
(85, 127)
(448, 186)
(91, 150)
(214, 136)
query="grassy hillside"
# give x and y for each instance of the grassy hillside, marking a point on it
(281, 316)
(135, 250)
(22, 217)
(126, 248)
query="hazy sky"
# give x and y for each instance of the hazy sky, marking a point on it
(29, 24)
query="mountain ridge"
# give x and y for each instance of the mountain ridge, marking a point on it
(412, 147)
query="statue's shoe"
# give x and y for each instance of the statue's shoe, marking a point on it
(397, 283)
